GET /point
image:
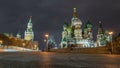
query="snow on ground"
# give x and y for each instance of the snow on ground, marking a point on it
(9, 50)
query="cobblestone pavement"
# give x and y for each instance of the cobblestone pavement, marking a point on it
(57, 60)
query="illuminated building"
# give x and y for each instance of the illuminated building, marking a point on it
(74, 35)
(29, 34)
(102, 36)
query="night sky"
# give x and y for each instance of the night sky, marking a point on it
(48, 16)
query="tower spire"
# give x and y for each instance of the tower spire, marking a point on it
(100, 24)
(100, 28)
(29, 34)
(88, 18)
(30, 19)
(74, 12)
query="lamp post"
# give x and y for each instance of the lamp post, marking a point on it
(35, 47)
(111, 33)
(46, 36)
(23, 45)
(1, 42)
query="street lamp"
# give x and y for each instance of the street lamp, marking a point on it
(111, 33)
(35, 47)
(46, 36)
(23, 45)
(1, 42)
(45, 40)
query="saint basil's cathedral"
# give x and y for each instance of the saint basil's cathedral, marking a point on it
(74, 35)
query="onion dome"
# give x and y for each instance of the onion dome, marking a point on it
(88, 24)
(77, 21)
(69, 29)
(65, 24)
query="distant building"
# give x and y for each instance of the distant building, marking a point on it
(74, 35)
(8, 34)
(18, 35)
(29, 34)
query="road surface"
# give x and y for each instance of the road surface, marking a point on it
(57, 60)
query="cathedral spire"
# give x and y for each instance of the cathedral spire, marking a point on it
(74, 12)
(100, 24)
(100, 28)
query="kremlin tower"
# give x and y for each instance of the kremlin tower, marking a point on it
(29, 34)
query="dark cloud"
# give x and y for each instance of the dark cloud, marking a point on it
(49, 15)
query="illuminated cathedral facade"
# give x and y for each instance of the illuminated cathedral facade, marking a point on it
(73, 34)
